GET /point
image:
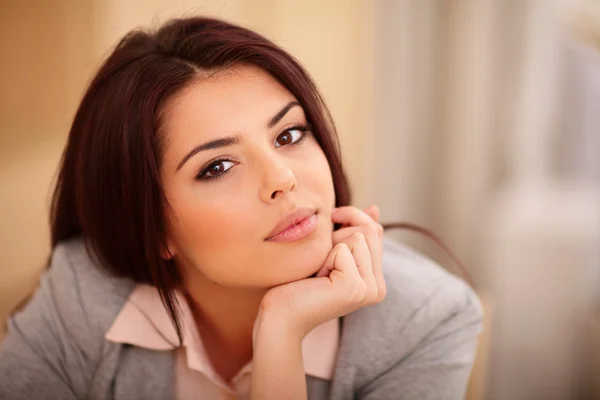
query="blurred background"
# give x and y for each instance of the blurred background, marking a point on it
(478, 119)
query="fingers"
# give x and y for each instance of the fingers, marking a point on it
(350, 216)
(338, 259)
(362, 260)
(373, 212)
(373, 234)
(363, 221)
(371, 231)
(348, 266)
(329, 263)
(357, 244)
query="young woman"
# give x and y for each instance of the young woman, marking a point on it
(204, 246)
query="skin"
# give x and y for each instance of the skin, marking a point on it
(252, 298)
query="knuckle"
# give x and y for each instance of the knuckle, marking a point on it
(357, 237)
(372, 296)
(381, 293)
(268, 302)
(341, 246)
(372, 230)
(358, 292)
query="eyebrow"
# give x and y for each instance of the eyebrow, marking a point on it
(231, 140)
(277, 117)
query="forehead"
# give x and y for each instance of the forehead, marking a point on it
(239, 99)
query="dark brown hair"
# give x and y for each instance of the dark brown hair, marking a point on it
(108, 189)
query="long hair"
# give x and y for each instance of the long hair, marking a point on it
(108, 188)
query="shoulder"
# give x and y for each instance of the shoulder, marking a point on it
(78, 276)
(57, 339)
(416, 283)
(76, 296)
(421, 298)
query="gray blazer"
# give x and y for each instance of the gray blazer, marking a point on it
(419, 343)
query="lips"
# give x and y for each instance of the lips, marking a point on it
(291, 219)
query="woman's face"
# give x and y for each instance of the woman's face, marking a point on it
(228, 197)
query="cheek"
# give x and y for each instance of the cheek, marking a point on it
(204, 226)
(214, 239)
(318, 177)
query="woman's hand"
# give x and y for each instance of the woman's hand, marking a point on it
(350, 278)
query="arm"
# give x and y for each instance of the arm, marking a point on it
(26, 372)
(44, 354)
(277, 365)
(351, 278)
(440, 365)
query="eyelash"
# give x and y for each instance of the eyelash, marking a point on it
(299, 127)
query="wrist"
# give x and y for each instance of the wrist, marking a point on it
(277, 363)
(275, 326)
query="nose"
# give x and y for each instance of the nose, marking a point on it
(279, 180)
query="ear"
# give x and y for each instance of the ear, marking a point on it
(168, 251)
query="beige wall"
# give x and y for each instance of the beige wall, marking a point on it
(33, 115)
(51, 49)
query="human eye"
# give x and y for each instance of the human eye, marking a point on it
(291, 136)
(215, 170)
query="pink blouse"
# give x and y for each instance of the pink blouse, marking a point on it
(144, 322)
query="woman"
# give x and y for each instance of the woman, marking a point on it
(203, 245)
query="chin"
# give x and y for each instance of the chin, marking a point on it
(303, 258)
(304, 261)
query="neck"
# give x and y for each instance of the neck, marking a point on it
(224, 315)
